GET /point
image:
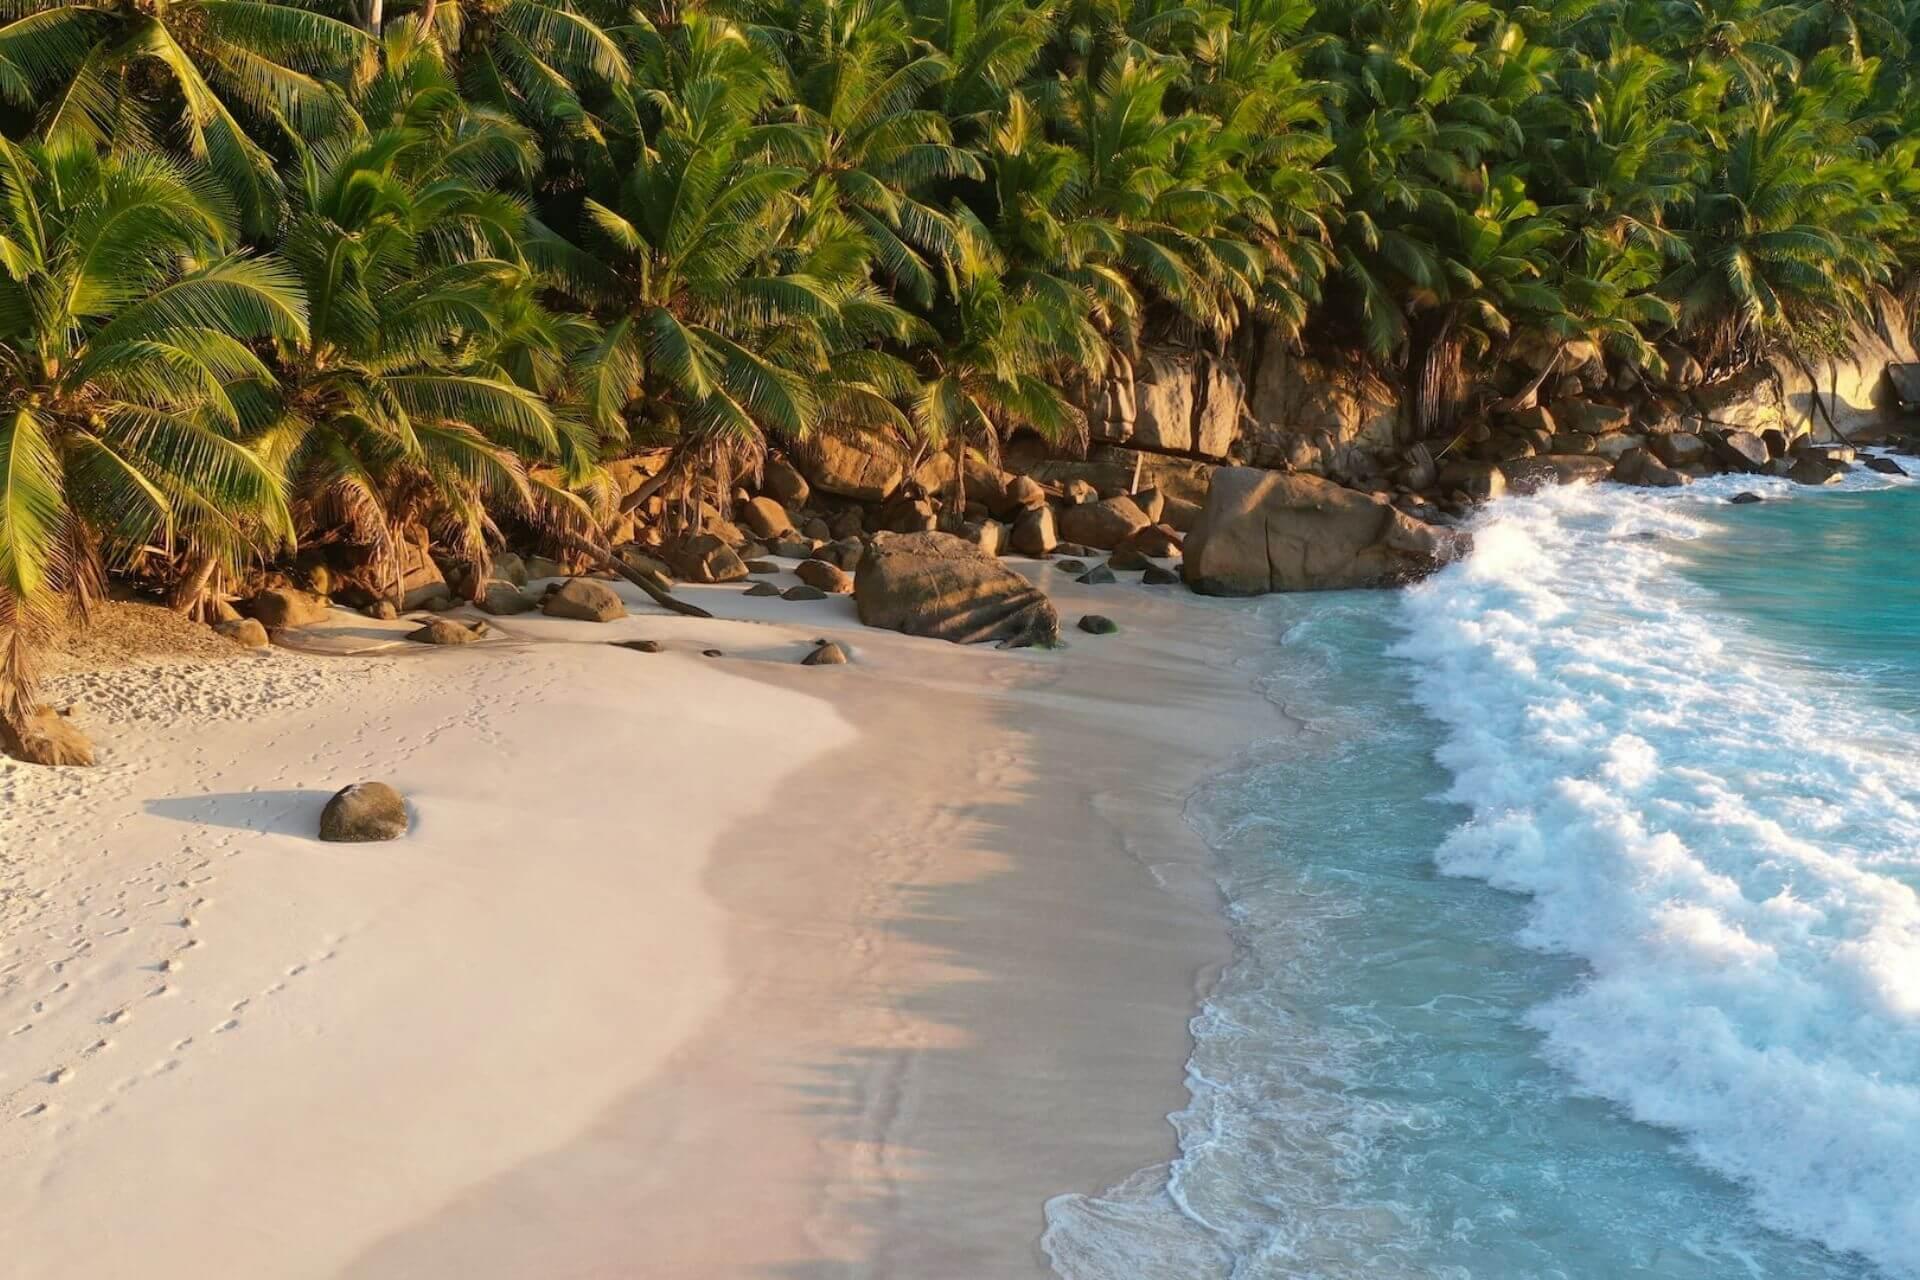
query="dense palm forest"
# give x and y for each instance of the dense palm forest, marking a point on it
(274, 268)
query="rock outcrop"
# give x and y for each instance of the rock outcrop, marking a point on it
(1270, 531)
(943, 587)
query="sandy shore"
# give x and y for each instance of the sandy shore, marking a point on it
(691, 967)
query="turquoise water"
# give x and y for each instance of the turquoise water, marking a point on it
(1576, 925)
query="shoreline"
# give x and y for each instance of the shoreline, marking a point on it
(905, 1018)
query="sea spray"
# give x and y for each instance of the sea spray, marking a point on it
(1678, 1044)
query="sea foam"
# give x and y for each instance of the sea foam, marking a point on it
(1728, 837)
(1683, 1043)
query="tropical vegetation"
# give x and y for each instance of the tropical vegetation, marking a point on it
(275, 269)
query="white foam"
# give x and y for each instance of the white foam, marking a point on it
(1723, 836)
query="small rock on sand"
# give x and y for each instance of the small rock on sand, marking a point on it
(712, 653)
(1155, 576)
(444, 631)
(762, 589)
(364, 812)
(1098, 576)
(803, 592)
(1098, 624)
(828, 654)
(640, 646)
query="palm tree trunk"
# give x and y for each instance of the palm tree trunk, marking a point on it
(580, 546)
(190, 591)
(376, 16)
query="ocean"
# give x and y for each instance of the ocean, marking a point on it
(1576, 920)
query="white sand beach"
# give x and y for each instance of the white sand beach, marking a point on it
(690, 966)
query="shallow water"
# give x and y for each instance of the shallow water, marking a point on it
(1576, 928)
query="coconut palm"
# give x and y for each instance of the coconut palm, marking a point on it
(226, 82)
(126, 381)
(399, 406)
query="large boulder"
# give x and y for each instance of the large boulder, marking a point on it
(1639, 467)
(364, 812)
(765, 518)
(1302, 412)
(46, 737)
(279, 607)
(1750, 400)
(444, 631)
(503, 599)
(1680, 449)
(1104, 524)
(1163, 395)
(1589, 417)
(868, 469)
(584, 600)
(1740, 450)
(1272, 531)
(943, 587)
(703, 557)
(782, 481)
(1035, 532)
(1481, 481)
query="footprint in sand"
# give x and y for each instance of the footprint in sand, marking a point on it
(59, 1075)
(115, 1018)
(231, 1024)
(37, 1109)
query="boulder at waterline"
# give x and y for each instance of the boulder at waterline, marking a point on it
(47, 737)
(1739, 450)
(1104, 524)
(1098, 576)
(830, 578)
(1530, 475)
(1278, 531)
(245, 632)
(1481, 481)
(1098, 624)
(803, 592)
(364, 812)
(444, 631)
(762, 589)
(1885, 466)
(1811, 469)
(943, 587)
(279, 607)
(1639, 467)
(584, 600)
(1745, 499)
(828, 654)
(703, 557)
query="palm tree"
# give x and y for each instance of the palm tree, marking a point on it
(126, 381)
(226, 81)
(399, 407)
